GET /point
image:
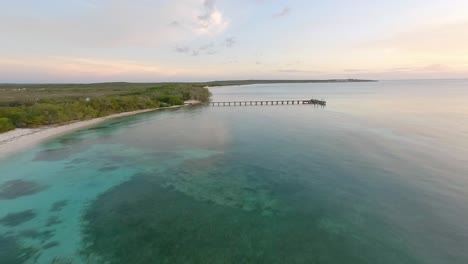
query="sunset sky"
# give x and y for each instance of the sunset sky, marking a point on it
(195, 40)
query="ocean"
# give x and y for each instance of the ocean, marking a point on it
(379, 175)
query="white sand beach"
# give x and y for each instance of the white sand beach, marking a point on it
(24, 138)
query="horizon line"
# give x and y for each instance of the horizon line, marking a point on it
(239, 80)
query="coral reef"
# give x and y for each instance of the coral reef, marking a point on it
(11, 252)
(15, 219)
(58, 206)
(18, 188)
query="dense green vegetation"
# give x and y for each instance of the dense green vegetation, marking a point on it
(5, 124)
(37, 105)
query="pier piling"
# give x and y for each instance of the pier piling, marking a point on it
(315, 102)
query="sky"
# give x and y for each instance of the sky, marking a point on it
(202, 40)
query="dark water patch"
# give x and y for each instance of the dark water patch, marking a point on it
(11, 252)
(108, 168)
(42, 236)
(161, 225)
(46, 235)
(163, 155)
(214, 179)
(53, 154)
(107, 128)
(30, 233)
(118, 159)
(15, 219)
(58, 206)
(97, 128)
(79, 161)
(53, 220)
(58, 260)
(50, 245)
(70, 140)
(17, 188)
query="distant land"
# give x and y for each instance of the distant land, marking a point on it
(147, 84)
(36, 105)
(247, 82)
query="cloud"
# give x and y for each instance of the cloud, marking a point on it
(427, 68)
(207, 49)
(401, 69)
(431, 50)
(207, 46)
(107, 25)
(299, 71)
(284, 12)
(212, 20)
(229, 42)
(112, 24)
(355, 70)
(209, 4)
(436, 39)
(408, 72)
(231, 62)
(174, 23)
(182, 49)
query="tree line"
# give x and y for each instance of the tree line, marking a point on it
(59, 110)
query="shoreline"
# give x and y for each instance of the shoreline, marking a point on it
(22, 139)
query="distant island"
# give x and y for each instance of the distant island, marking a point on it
(247, 82)
(36, 105)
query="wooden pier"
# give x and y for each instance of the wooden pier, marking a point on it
(270, 102)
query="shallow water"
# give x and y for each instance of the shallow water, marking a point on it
(380, 175)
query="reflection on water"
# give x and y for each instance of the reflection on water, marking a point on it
(378, 176)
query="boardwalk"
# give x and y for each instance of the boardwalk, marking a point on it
(270, 102)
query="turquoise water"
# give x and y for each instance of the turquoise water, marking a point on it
(378, 176)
